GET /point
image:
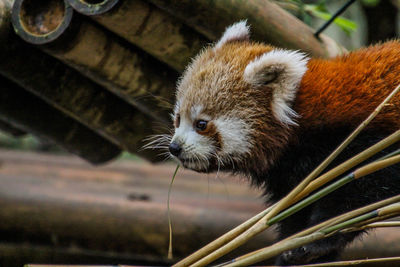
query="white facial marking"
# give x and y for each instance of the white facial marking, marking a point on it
(195, 112)
(293, 65)
(176, 107)
(234, 133)
(239, 31)
(195, 148)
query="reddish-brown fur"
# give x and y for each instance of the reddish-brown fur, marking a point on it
(347, 89)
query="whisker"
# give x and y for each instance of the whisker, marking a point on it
(157, 141)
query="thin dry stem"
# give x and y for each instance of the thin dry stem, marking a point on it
(381, 225)
(262, 224)
(317, 232)
(370, 168)
(335, 172)
(288, 200)
(257, 228)
(170, 253)
(377, 261)
(377, 223)
(222, 240)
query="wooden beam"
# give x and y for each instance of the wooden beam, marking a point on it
(61, 202)
(73, 94)
(153, 30)
(11, 129)
(269, 23)
(100, 55)
(28, 112)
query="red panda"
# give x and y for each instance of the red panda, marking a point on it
(274, 115)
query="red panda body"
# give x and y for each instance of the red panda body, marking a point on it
(346, 89)
(274, 115)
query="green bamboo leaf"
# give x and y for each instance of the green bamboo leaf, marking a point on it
(370, 3)
(345, 24)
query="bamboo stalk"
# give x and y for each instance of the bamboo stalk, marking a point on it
(306, 236)
(378, 261)
(268, 219)
(274, 250)
(373, 167)
(379, 225)
(222, 240)
(325, 178)
(392, 210)
(376, 165)
(170, 250)
(295, 195)
(394, 153)
(349, 215)
(257, 228)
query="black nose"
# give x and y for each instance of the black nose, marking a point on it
(175, 149)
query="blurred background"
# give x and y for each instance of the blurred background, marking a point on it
(84, 83)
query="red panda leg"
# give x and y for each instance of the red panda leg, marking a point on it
(324, 250)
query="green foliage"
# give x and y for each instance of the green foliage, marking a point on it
(319, 11)
(27, 142)
(128, 156)
(370, 3)
(307, 12)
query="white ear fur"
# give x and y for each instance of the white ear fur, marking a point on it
(283, 70)
(239, 31)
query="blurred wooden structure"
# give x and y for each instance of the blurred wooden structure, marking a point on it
(111, 65)
(59, 209)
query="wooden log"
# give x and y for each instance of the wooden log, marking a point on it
(10, 129)
(25, 111)
(59, 202)
(68, 211)
(75, 95)
(93, 7)
(19, 254)
(55, 18)
(154, 31)
(269, 23)
(127, 72)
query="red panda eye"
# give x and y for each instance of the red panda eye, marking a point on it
(177, 121)
(200, 125)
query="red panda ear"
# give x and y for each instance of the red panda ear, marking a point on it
(282, 70)
(239, 31)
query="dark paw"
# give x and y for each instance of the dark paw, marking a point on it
(301, 255)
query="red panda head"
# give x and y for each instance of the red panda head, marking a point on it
(233, 104)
